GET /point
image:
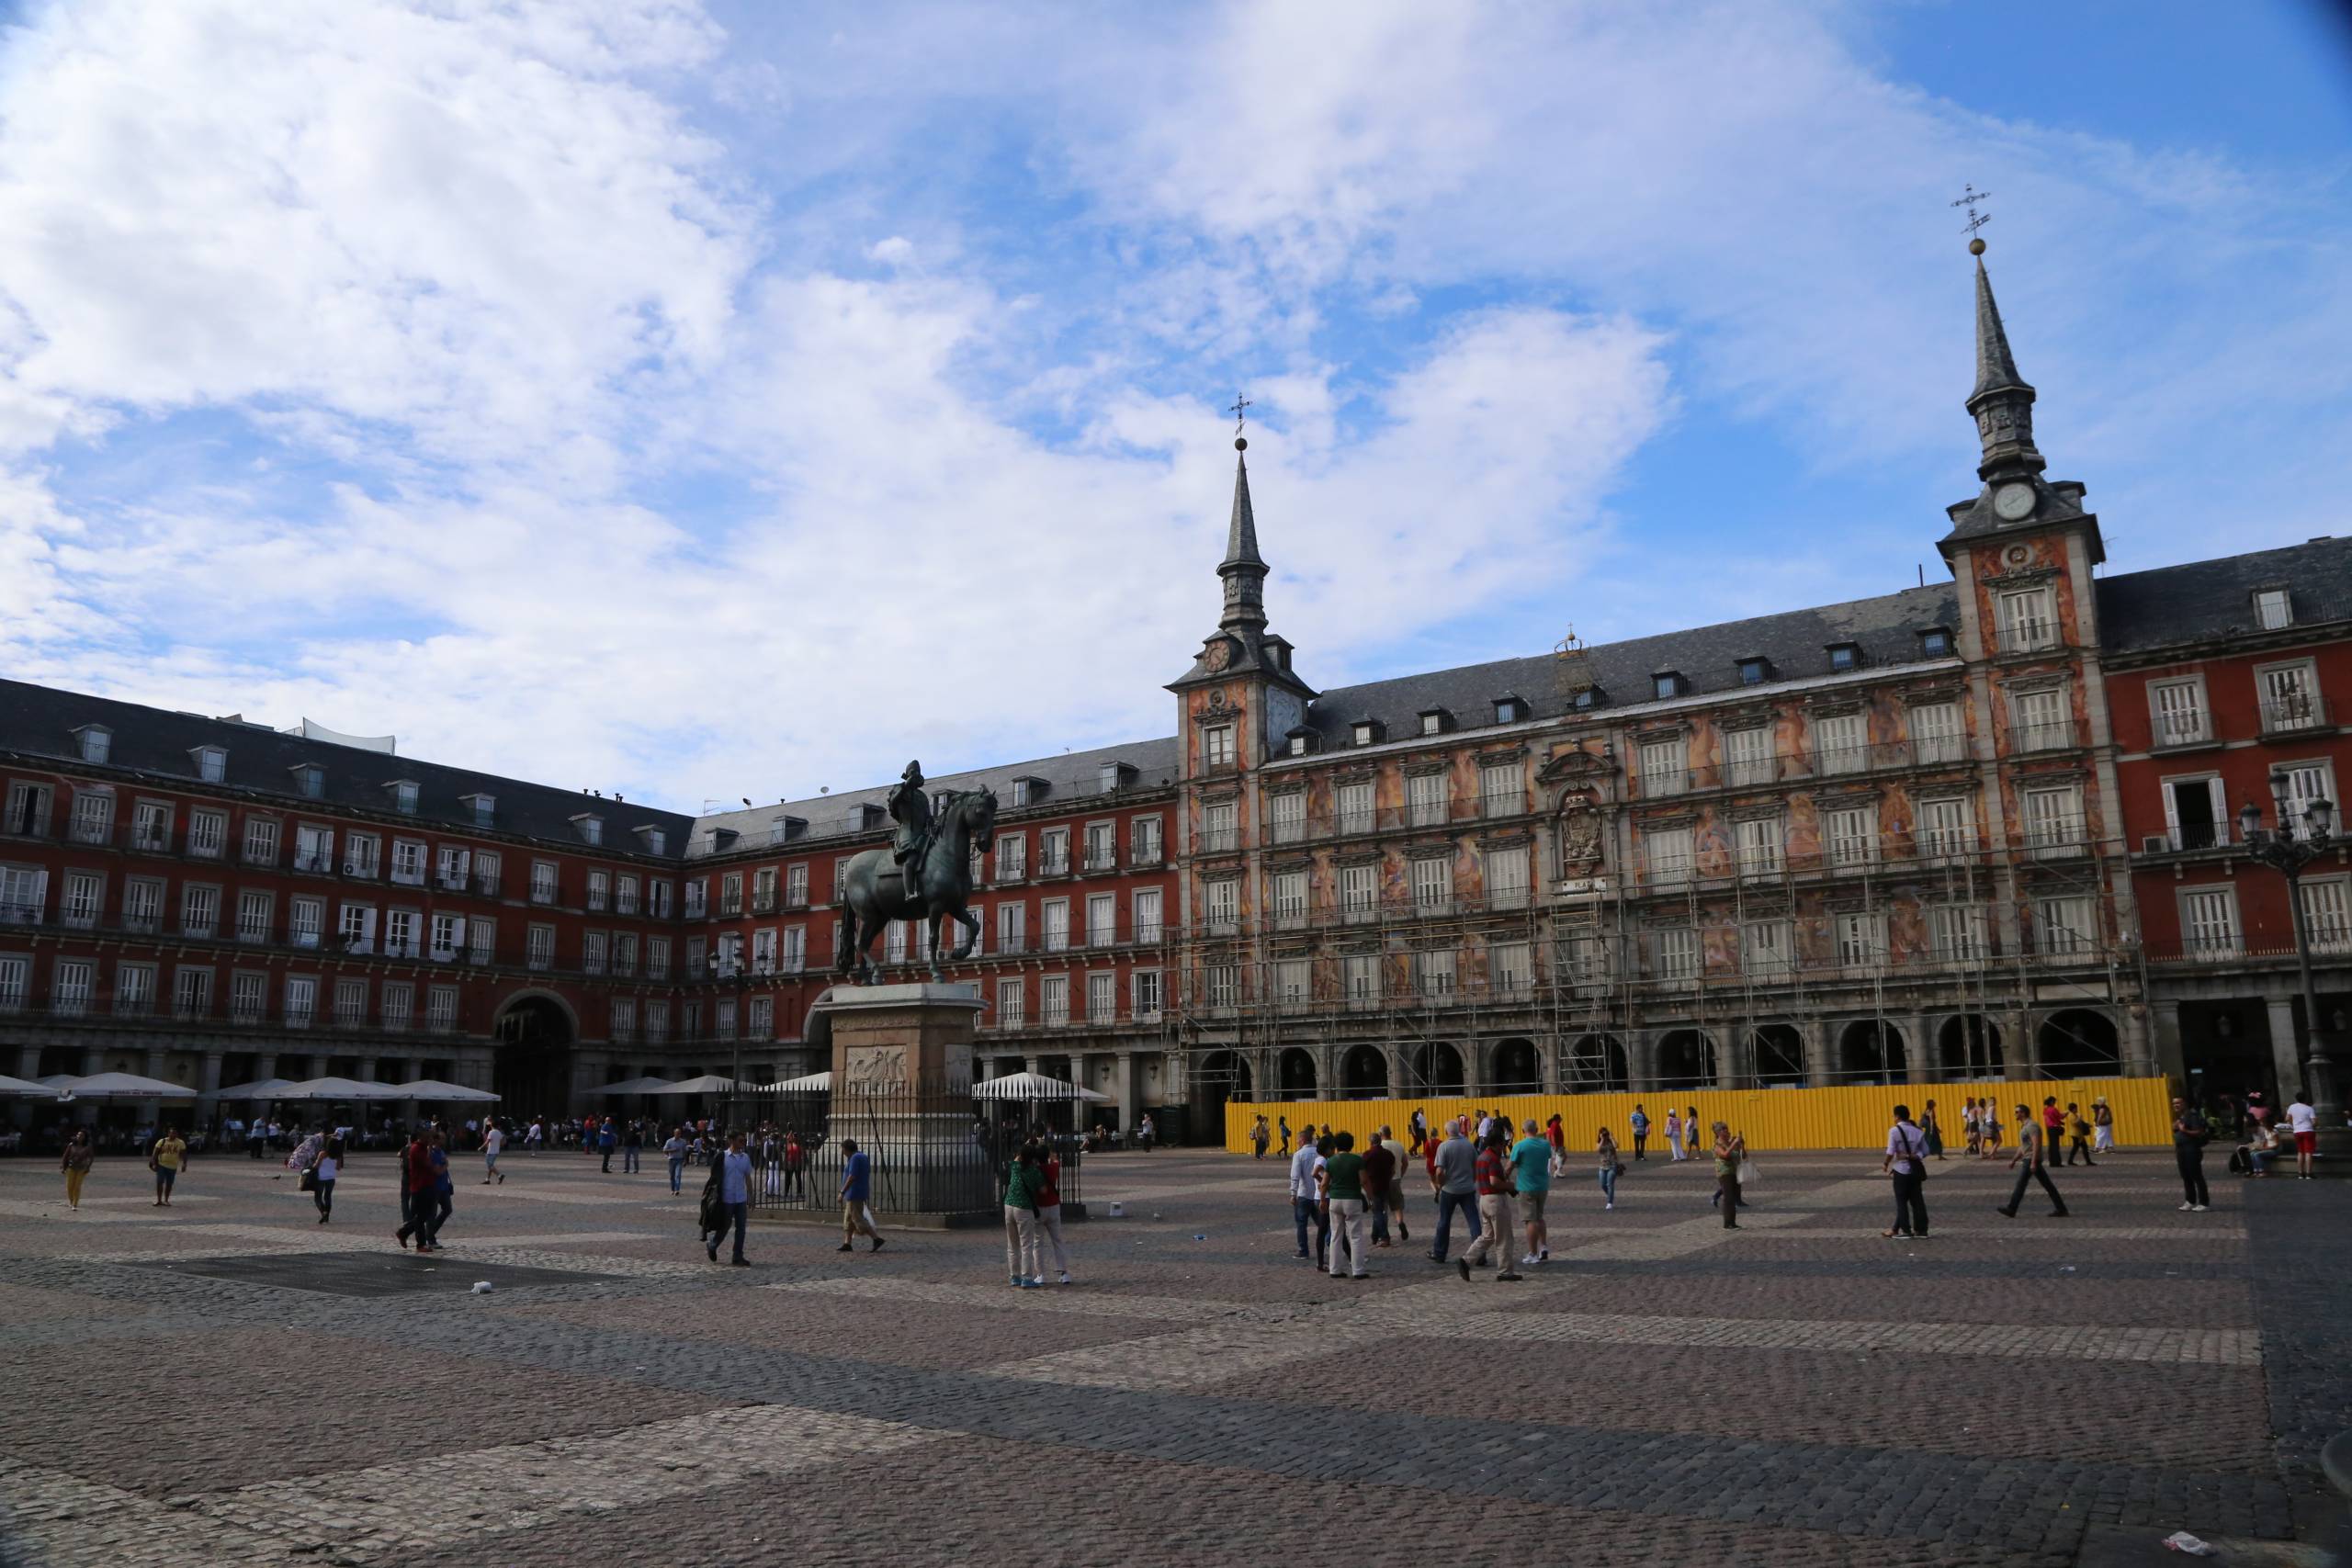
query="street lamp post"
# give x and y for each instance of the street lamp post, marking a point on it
(739, 975)
(2288, 855)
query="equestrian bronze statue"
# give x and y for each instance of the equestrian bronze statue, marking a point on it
(924, 875)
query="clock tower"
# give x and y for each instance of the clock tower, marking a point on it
(1240, 683)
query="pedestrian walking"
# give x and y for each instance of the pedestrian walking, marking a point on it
(2102, 1125)
(1556, 1134)
(1640, 1121)
(676, 1148)
(2302, 1121)
(1531, 1159)
(1454, 1176)
(633, 1149)
(1420, 1128)
(1049, 1208)
(1021, 1252)
(2035, 1167)
(1673, 1135)
(2080, 1143)
(1497, 1221)
(1395, 1152)
(443, 1193)
(1992, 1122)
(2190, 1134)
(534, 1137)
(1343, 1192)
(322, 1178)
(1144, 1131)
(1907, 1150)
(79, 1156)
(1971, 1122)
(1284, 1123)
(857, 1195)
(607, 1141)
(493, 1140)
(165, 1156)
(257, 1137)
(416, 1194)
(1605, 1145)
(1933, 1130)
(1379, 1181)
(2054, 1126)
(770, 1162)
(732, 1170)
(1304, 1195)
(1259, 1138)
(1728, 1152)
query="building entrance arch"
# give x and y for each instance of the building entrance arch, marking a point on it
(531, 1070)
(1363, 1073)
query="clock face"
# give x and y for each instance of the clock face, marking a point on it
(2013, 501)
(1217, 655)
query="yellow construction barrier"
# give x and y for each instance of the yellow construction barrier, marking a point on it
(1848, 1117)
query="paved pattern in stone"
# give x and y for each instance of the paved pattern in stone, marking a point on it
(1796, 1390)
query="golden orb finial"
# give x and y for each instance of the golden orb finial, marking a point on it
(1975, 247)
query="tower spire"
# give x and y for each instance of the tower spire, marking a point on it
(1243, 569)
(2002, 403)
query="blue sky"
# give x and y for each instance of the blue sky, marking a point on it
(705, 401)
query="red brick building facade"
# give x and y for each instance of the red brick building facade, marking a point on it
(1972, 830)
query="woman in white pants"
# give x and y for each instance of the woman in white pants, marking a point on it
(1020, 1255)
(2102, 1126)
(1049, 1211)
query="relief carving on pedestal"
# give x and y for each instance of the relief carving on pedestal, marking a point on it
(871, 1069)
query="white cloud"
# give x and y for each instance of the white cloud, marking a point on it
(567, 435)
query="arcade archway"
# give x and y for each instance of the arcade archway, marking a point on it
(531, 1072)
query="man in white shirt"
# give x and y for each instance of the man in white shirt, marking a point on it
(492, 1140)
(1907, 1149)
(1304, 1198)
(2303, 1121)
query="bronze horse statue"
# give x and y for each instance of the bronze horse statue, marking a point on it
(874, 891)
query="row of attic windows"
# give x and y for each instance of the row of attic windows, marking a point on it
(94, 743)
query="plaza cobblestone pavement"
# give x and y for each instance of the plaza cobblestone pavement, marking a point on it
(202, 1386)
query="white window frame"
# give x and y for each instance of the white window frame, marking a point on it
(2184, 719)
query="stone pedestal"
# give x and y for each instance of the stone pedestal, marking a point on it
(902, 1084)
(900, 1039)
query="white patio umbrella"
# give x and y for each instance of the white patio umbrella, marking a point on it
(814, 1083)
(1035, 1086)
(709, 1083)
(342, 1088)
(116, 1085)
(434, 1088)
(26, 1088)
(260, 1089)
(636, 1085)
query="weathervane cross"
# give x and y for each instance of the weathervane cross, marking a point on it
(1969, 196)
(1240, 413)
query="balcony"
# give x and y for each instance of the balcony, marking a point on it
(319, 862)
(2043, 736)
(1289, 830)
(2286, 714)
(1145, 854)
(1054, 865)
(1503, 803)
(1219, 841)
(1102, 857)
(2184, 727)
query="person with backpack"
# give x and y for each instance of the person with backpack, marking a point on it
(1907, 1151)
(2190, 1133)
(2080, 1141)
(416, 1194)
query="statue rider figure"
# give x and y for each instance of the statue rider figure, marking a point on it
(909, 805)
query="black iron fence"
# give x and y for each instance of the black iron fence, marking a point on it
(930, 1149)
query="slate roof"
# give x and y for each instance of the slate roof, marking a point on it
(1886, 629)
(39, 721)
(1070, 776)
(2172, 605)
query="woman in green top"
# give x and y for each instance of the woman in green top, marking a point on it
(1343, 1192)
(1728, 1176)
(1022, 1252)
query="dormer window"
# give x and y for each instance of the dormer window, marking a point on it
(1935, 643)
(1509, 709)
(1278, 650)
(1755, 671)
(312, 780)
(1113, 777)
(1845, 656)
(211, 764)
(1019, 791)
(404, 796)
(591, 827)
(1587, 699)
(96, 742)
(1300, 741)
(1436, 721)
(1667, 683)
(654, 838)
(484, 809)
(2273, 608)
